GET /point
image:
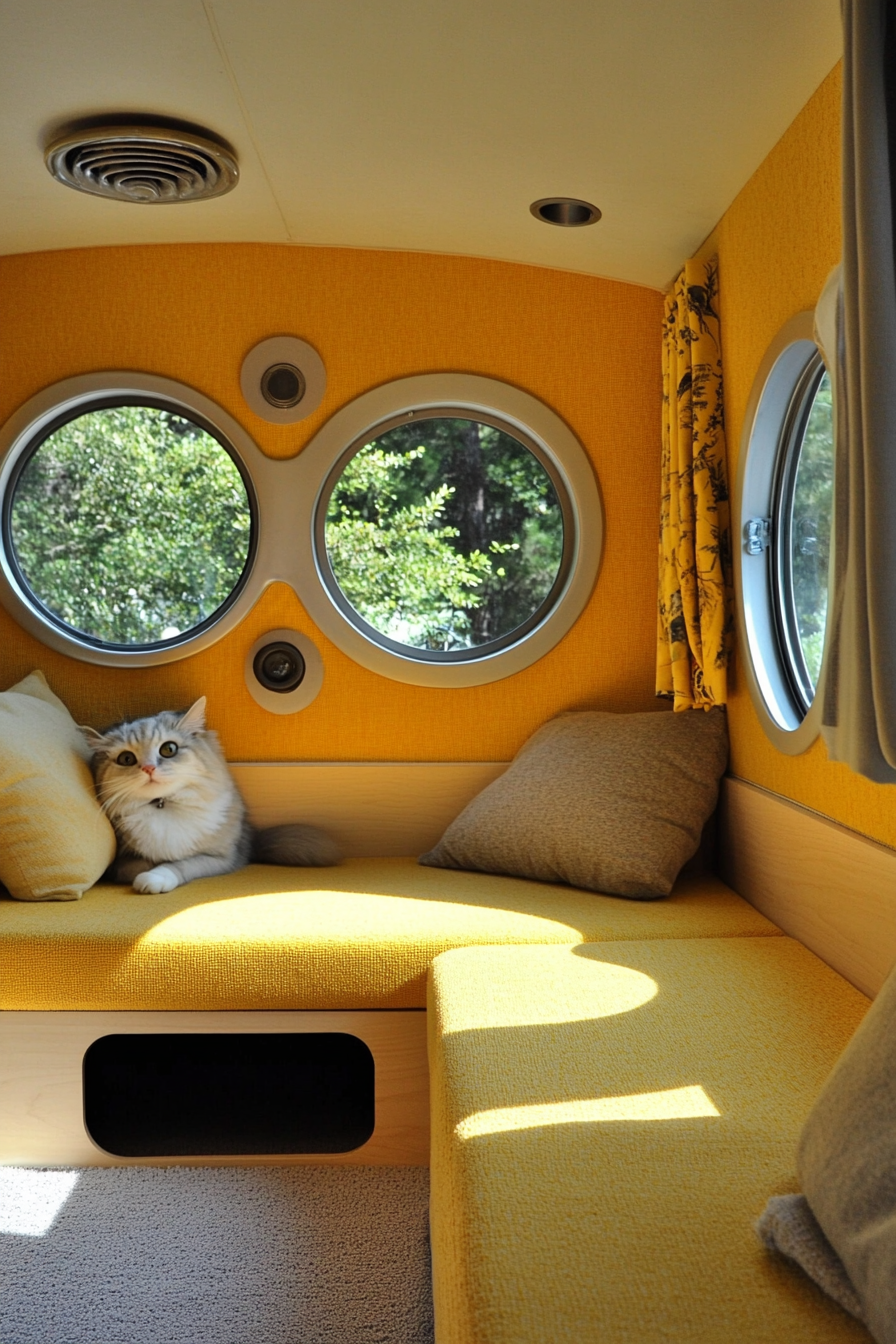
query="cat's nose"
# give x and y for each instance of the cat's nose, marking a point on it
(149, 769)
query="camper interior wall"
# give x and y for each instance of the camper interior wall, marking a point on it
(588, 347)
(776, 244)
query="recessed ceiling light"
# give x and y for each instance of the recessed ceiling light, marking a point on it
(565, 211)
(146, 165)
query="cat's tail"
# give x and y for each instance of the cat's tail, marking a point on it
(295, 846)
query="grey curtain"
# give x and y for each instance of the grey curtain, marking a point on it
(859, 679)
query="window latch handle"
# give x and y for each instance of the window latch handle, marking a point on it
(757, 535)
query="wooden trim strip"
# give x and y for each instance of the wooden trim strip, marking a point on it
(828, 886)
(374, 809)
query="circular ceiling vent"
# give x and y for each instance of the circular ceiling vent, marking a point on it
(147, 165)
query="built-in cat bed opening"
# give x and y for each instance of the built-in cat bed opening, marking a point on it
(171, 1095)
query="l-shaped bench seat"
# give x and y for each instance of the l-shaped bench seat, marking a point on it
(608, 1121)
(617, 1086)
(359, 936)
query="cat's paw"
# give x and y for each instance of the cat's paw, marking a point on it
(155, 880)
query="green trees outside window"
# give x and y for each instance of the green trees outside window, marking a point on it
(445, 533)
(131, 524)
(810, 528)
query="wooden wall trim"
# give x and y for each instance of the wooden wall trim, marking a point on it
(374, 809)
(828, 886)
(41, 1106)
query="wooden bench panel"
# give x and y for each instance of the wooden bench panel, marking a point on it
(375, 809)
(41, 1110)
(828, 886)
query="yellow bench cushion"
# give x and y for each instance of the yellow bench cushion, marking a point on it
(358, 936)
(608, 1123)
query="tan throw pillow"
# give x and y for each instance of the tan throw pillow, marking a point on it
(609, 802)
(847, 1163)
(55, 840)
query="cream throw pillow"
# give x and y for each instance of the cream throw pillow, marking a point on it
(610, 802)
(55, 840)
(847, 1163)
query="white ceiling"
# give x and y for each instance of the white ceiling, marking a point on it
(419, 124)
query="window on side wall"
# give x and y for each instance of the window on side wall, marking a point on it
(786, 490)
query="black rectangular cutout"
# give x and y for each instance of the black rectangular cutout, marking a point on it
(177, 1095)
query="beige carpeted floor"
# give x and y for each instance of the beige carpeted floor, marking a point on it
(284, 1255)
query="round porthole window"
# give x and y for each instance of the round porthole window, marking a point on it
(786, 487)
(441, 530)
(801, 529)
(456, 531)
(129, 523)
(444, 536)
(129, 519)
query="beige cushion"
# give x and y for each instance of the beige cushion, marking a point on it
(610, 802)
(847, 1163)
(55, 840)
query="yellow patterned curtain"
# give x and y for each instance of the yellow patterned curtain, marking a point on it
(695, 625)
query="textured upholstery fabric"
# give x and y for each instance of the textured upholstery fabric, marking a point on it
(847, 1163)
(358, 936)
(608, 802)
(56, 840)
(608, 1123)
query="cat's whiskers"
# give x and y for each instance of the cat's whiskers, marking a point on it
(109, 796)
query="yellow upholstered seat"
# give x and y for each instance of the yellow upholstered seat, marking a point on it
(358, 936)
(608, 1123)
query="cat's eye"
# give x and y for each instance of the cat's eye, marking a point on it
(126, 758)
(168, 749)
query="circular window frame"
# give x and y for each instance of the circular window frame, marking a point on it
(476, 652)
(60, 403)
(777, 411)
(285, 493)
(790, 450)
(536, 426)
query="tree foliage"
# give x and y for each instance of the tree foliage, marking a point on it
(445, 533)
(131, 524)
(811, 527)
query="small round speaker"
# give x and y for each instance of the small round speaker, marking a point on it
(279, 667)
(283, 379)
(283, 671)
(283, 386)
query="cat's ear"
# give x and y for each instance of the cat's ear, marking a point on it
(193, 721)
(95, 741)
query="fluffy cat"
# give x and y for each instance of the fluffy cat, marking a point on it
(176, 810)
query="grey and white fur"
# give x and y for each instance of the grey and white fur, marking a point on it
(178, 815)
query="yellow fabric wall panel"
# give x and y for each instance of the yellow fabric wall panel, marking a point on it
(588, 347)
(776, 244)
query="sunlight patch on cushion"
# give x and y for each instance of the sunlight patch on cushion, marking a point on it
(358, 936)
(679, 1103)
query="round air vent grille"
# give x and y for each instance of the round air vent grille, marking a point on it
(147, 165)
